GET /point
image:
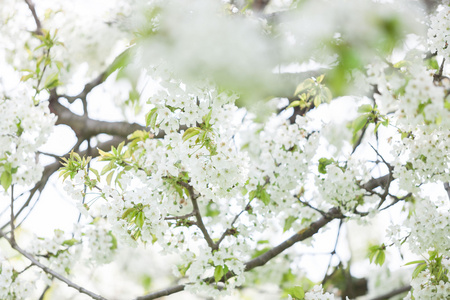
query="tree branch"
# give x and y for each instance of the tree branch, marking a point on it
(49, 271)
(85, 127)
(35, 17)
(261, 260)
(87, 88)
(198, 215)
(393, 293)
(299, 236)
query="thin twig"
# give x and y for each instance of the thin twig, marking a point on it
(332, 253)
(11, 222)
(35, 17)
(261, 260)
(180, 217)
(198, 215)
(227, 231)
(447, 188)
(393, 293)
(49, 271)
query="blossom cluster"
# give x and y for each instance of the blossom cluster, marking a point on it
(24, 128)
(439, 31)
(422, 288)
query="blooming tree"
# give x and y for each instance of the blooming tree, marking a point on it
(246, 130)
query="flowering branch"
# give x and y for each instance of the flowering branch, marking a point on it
(49, 271)
(261, 260)
(198, 215)
(393, 293)
(35, 17)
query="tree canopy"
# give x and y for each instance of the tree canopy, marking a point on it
(226, 149)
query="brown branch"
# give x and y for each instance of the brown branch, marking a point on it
(299, 236)
(49, 271)
(198, 215)
(85, 127)
(164, 292)
(180, 217)
(259, 5)
(11, 221)
(376, 182)
(87, 88)
(261, 260)
(447, 188)
(35, 17)
(229, 229)
(393, 293)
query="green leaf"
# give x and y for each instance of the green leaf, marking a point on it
(418, 269)
(297, 292)
(51, 81)
(381, 257)
(317, 101)
(252, 195)
(97, 175)
(415, 262)
(359, 123)
(265, 197)
(320, 78)
(218, 273)
(294, 104)
(140, 219)
(119, 62)
(326, 94)
(107, 168)
(288, 223)
(70, 242)
(323, 163)
(306, 84)
(365, 108)
(6, 180)
(26, 77)
(207, 118)
(150, 118)
(128, 212)
(109, 177)
(190, 132)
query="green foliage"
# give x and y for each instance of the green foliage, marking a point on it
(377, 254)
(219, 272)
(72, 165)
(369, 115)
(438, 272)
(311, 92)
(119, 161)
(261, 194)
(136, 219)
(43, 61)
(288, 223)
(205, 135)
(296, 292)
(323, 163)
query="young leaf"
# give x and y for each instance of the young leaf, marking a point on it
(288, 223)
(418, 269)
(294, 104)
(6, 180)
(296, 292)
(140, 219)
(150, 118)
(190, 132)
(359, 123)
(365, 108)
(265, 197)
(218, 273)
